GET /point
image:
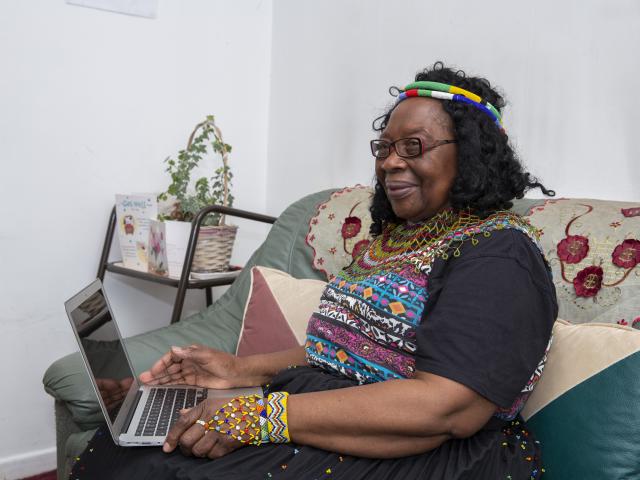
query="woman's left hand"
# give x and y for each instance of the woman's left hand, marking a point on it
(191, 438)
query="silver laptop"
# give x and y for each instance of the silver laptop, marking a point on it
(136, 414)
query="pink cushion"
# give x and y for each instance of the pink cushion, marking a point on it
(277, 311)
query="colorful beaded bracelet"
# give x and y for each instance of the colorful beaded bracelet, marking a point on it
(253, 419)
(277, 417)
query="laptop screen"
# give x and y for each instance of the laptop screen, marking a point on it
(104, 351)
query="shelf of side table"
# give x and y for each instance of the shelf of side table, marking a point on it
(185, 281)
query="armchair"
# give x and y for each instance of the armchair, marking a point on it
(576, 235)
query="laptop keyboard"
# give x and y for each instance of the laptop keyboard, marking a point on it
(163, 407)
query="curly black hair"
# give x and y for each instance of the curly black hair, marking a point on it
(489, 172)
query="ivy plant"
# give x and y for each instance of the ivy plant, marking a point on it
(215, 190)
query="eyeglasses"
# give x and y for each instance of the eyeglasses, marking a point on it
(405, 147)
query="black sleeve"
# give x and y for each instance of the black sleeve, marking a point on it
(488, 317)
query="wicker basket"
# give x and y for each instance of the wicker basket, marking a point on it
(214, 248)
(215, 243)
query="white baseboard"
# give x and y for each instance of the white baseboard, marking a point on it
(27, 464)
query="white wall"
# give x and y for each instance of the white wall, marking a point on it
(568, 69)
(91, 102)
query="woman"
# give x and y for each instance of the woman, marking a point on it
(422, 351)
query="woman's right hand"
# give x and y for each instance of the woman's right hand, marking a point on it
(196, 365)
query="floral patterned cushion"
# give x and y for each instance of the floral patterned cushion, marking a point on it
(593, 247)
(340, 229)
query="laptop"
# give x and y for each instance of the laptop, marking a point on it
(136, 414)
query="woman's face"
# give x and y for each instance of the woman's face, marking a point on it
(419, 187)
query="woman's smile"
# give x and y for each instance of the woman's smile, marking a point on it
(398, 190)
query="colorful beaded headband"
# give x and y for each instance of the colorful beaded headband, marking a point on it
(443, 91)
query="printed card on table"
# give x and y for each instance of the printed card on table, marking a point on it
(133, 216)
(158, 262)
(168, 242)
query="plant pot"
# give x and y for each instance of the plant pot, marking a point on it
(214, 248)
(168, 243)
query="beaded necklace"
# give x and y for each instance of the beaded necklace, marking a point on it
(439, 236)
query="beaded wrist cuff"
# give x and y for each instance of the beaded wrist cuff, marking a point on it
(241, 418)
(254, 419)
(277, 417)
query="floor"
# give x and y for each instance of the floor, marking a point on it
(43, 476)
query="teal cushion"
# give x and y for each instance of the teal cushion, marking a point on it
(584, 410)
(592, 432)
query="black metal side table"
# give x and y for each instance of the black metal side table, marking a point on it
(184, 282)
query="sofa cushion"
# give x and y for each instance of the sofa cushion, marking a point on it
(584, 409)
(593, 248)
(277, 311)
(340, 229)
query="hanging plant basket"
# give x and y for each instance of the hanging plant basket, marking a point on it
(216, 238)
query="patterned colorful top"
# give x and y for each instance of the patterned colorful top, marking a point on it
(365, 327)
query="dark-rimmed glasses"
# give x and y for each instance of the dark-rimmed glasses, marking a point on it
(405, 147)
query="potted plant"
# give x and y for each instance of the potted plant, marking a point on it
(215, 240)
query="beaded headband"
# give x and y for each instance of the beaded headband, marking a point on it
(443, 91)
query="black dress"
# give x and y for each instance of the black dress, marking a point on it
(486, 324)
